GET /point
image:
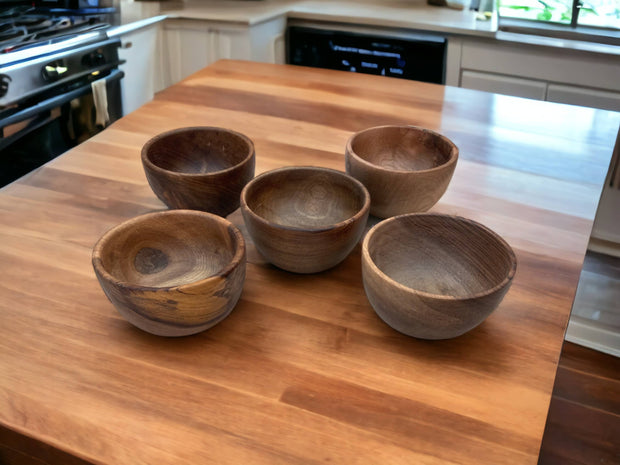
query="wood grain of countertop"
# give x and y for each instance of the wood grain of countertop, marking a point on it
(302, 371)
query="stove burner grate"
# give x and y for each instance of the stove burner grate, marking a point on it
(21, 27)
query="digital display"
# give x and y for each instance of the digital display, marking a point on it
(421, 59)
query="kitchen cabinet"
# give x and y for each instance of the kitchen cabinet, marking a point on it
(499, 84)
(583, 96)
(192, 44)
(540, 72)
(140, 50)
(267, 41)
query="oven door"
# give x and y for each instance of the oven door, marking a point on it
(37, 134)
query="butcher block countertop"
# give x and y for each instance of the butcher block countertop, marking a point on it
(302, 371)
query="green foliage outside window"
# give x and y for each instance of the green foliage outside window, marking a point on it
(598, 13)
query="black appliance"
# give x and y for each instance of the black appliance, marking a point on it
(59, 83)
(420, 57)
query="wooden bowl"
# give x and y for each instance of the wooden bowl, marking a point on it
(199, 168)
(172, 273)
(435, 276)
(305, 219)
(406, 169)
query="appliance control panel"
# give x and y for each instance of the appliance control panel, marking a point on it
(4, 84)
(24, 79)
(420, 57)
(94, 59)
(54, 71)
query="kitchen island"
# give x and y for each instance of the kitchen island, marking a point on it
(302, 371)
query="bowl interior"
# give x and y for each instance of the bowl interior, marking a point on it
(198, 150)
(305, 198)
(168, 250)
(440, 255)
(402, 148)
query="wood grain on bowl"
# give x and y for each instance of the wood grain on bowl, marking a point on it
(406, 169)
(199, 168)
(305, 219)
(172, 273)
(435, 276)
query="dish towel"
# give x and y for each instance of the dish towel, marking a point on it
(100, 98)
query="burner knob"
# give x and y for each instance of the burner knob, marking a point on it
(4, 84)
(53, 71)
(93, 59)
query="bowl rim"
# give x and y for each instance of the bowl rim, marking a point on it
(365, 209)
(233, 264)
(148, 163)
(454, 152)
(366, 258)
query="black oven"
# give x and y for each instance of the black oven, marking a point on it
(421, 57)
(36, 135)
(59, 84)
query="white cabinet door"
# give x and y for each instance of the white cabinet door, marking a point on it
(186, 52)
(453, 61)
(606, 100)
(499, 84)
(190, 45)
(267, 41)
(140, 51)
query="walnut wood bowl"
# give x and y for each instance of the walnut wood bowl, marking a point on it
(406, 169)
(172, 273)
(199, 168)
(435, 276)
(305, 219)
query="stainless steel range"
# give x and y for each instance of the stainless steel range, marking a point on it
(59, 82)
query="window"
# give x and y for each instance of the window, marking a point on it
(591, 13)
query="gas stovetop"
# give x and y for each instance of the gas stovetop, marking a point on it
(22, 27)
(43, 49)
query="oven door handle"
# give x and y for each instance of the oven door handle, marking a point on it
(57, 101)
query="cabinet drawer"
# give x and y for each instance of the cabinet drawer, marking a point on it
(503, 84)
(585, 97)
(565, 66)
